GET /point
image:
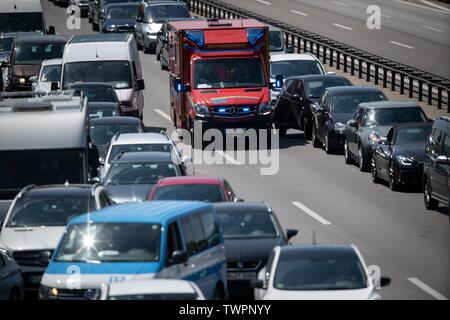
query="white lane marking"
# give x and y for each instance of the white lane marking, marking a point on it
(299, 13)
(421, 6)
(340, 3)
(264, 2)
(401, 44)
(341, 26)
(427, 289)
(432, 29)
(163, 114)
(311, 213)
(385, 16)
(435, 5)
(227, 157)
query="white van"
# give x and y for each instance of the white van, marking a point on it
(23, 16)
(110, 58)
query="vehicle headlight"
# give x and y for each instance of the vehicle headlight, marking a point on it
(265, 109)
(111, 27)
(373, 138)
(405, 161)
(201, 110)
(48, 293)
(339, 127)
(152, 34)
(22, 80)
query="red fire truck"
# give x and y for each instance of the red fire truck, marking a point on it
(219, 74)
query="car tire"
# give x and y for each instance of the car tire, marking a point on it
(315, 141)
(219, 293)
(347, 157)
(306, 129)
(14, 295)
(145, 48)
(430, 202)
(283, 131)
(362, 160)
(393, 185)
(95, 26)
(158, 57)
(328, 148)
(374, 171)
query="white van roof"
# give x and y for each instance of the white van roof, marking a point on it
(97, 48)
(10, 6)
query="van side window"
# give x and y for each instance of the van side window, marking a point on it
(173, 241)
(194, 234)
(211, 229)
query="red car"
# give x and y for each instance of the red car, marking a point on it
(210, 189)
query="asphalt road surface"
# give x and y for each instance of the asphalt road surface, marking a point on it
(413, 32)
(318, 194)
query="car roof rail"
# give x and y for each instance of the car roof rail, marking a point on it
(25, 189)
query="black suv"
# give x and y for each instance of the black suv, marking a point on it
(437, 165)
(36, 220)
(297, 98)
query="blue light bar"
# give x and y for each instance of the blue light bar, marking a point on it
(222, 110)
(254, 35)
(246, 109)
(196, 36)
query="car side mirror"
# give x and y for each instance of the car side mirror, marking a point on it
(290, 49)
(239, 200)
(290, 233)
(179, 257)
(186, 159)
(5, 64)
(140, 84)
(51, 30)
(352, 123)
(94, 180)
(44, 257)
(443, 160)
(383, 140)
(33, 79)
(385, 281)
(180, 86)
(257, 284)
(320, 109)
(331, 73)
(139, 20)
(54, 86)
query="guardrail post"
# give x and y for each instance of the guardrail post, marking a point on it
(448, 100)
(368, 66)
(439, 104)
(318, 51)
(352, 66)
(360, 71)
(402, 83)
(331, 57)
(430, 94)
(311, 46)
(411, 87)
(338, 61)
(393, 75)
(385, 78)
(420, 90)
(345, 63)
(377, 69)
(324, 55)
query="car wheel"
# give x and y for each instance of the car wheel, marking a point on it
(146, 48)
(94, 26)
(375, 177)
(392, 180)
(328, 148)
(219, 293)
(14, 295)
(158, 57)
(430, 202)
(315, 140)
(283, 131)
(362, 160)
(347, 158)
(306, 129)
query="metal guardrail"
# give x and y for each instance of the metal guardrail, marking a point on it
(419, 84)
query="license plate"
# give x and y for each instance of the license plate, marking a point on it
(235, 131)
(241, 275)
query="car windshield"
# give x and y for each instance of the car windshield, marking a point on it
(150, 147)
(348, 102)
(275, 41)
(315, 88)
(36, 211)
(110, 242)
(51, 73)
(116, 73)
(291, 68)
(102, 111)
(101, 134)
(35, 53)
(412, 135)
(96, 93)
(21, 22)
(160, 13)
(319, 271)
(390, 116)
(190, 192)
(139, 173)
(228, 73)
(248, 225)
(160, 296)
(125, 12)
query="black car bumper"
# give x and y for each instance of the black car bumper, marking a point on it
(260, 122)
(336, 139)
(409, 176)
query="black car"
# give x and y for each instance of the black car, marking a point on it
(27, 53)
(97, 9)
(295, 100)
(133, 174)
(162, 43)
(103, 100)
(371, 122)
(437, 165)
(102, 130)
(398, 159)
(119, 17)
(336, 106)
(251, 231)
(104, 109)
